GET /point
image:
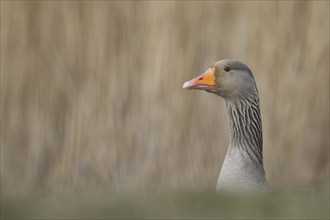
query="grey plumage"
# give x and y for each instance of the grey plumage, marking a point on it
(243, 165)
(245, 127)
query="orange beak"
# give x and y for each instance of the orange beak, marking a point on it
(206, 81)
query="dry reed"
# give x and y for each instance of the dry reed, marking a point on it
(91, 92)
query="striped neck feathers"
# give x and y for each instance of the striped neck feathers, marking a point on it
(245, 129)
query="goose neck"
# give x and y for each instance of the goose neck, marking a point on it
(245, 128)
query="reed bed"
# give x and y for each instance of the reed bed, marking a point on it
(91, 92)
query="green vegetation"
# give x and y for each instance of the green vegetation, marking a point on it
(179, 204)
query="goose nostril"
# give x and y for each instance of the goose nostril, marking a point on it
(200, 78)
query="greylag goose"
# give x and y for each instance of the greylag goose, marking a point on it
(242, 169)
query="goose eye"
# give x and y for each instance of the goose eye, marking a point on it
(227, 68)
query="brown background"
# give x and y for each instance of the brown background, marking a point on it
(91, 92)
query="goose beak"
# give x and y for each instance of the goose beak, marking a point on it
(206, 81)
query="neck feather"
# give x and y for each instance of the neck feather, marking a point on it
(245, 126)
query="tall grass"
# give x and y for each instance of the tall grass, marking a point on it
(91, 92)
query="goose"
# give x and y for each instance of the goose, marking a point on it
(242, 169)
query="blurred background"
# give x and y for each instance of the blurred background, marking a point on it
(91, 92)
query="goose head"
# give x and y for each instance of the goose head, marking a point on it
(229, 79)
